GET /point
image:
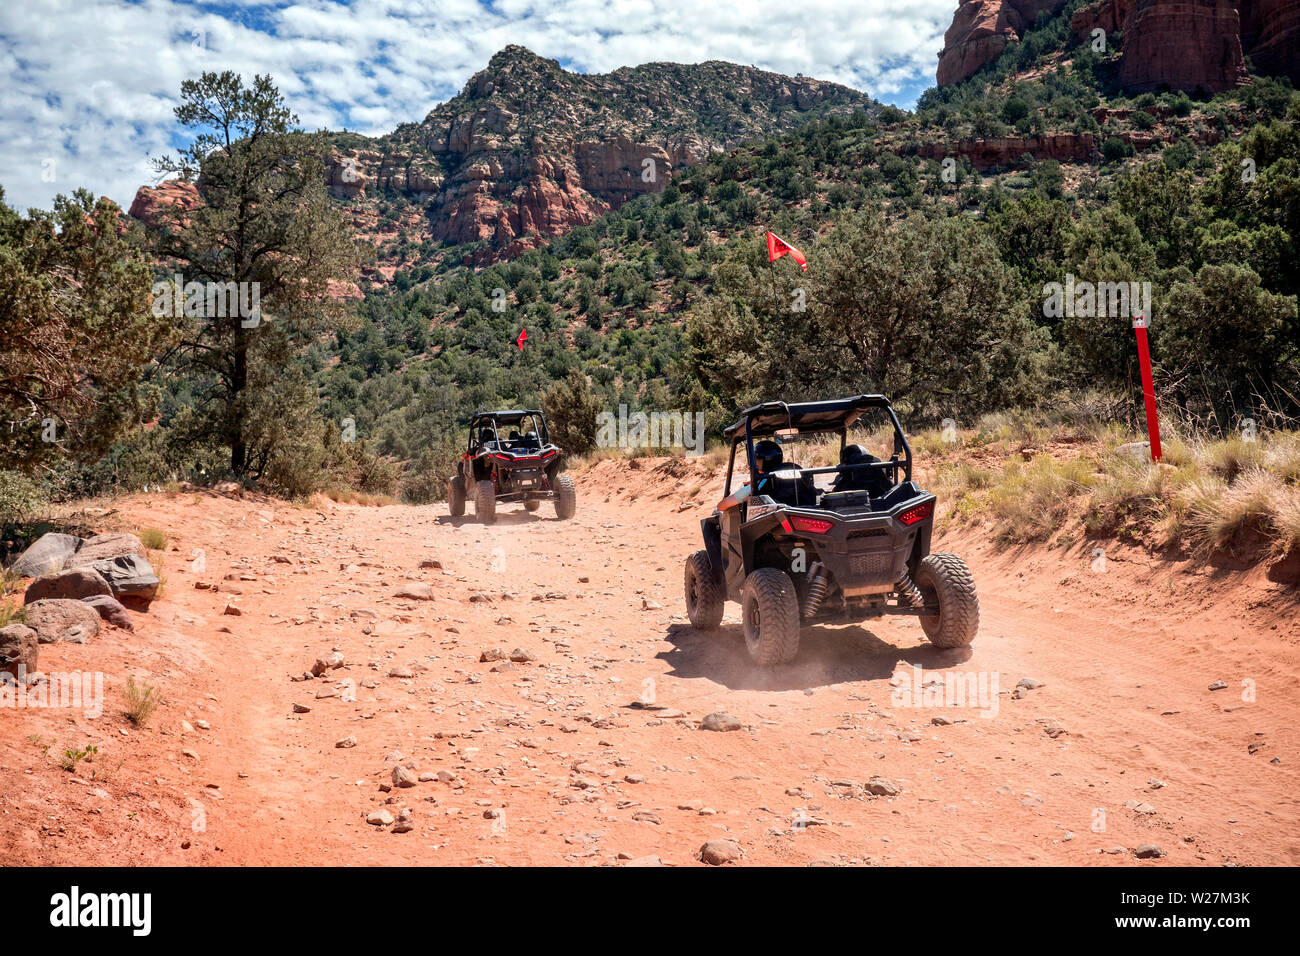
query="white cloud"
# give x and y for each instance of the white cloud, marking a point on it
(89, 85)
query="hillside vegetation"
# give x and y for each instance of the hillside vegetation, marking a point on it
(933, 238)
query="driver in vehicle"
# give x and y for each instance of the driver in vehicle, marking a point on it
(781, 480)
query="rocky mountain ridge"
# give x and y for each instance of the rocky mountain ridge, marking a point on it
(528, 150)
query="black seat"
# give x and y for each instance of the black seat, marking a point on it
(786, 485)
(874, 481)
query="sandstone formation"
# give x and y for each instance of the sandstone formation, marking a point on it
(528, 151)
(1109, 15)
(1005, 151)
(982, 29)
(1198, 44)
(1193, 45)
(1270, 36)
(151, 203)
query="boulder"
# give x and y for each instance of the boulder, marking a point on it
(415, 591)
(49, 554)
(104, 547)
(62, 620)
(1136, 451)
(153, 204)
(129, 577)
(73, 584)
(110, 610)
(718, 852)
(19, 649)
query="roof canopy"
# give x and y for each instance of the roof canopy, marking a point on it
(830, 415)
(511, 417)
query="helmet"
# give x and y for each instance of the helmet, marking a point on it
(856, 455)
(767, 454)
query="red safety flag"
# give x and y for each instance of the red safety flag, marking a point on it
(523, 337)
(777, 247)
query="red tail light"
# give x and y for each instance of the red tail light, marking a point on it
(811, 525)
(919, 513)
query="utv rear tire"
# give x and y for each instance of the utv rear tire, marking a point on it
(456, 496)
(703, 588)
(769, 607)
(485, 502)
(532, 505)
(566, 497)
(945, 580)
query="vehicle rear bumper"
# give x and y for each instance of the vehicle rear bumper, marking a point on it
(866, 552)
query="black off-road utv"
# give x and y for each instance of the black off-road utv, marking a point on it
(790, 551)
(510, 458)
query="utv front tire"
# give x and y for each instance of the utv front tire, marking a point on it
(485, 502)
(566, 497)
(769, 607)
(704, 597)
(456, 496)
(944, 579)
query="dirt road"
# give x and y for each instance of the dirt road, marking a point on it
(592, 753)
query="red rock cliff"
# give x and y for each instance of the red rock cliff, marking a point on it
(1183, 45)
(1270, 36)
(1180, 44)
(981, 29)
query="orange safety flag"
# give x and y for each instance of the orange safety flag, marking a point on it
(777, 247)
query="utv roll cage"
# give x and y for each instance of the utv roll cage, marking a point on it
(497, 420)
(837, 415)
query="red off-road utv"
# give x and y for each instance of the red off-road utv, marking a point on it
(510, 458)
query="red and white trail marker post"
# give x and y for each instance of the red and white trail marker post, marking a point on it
(1140, 324)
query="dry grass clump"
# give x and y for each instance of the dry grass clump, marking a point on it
(1229, 457)
(1216, 514)
(1205, 495)
(348, 496)
(141, 701)
(1031, 501)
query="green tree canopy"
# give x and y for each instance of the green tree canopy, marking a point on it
(75, 331)
(266, 219)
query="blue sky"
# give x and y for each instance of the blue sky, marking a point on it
(87, 87)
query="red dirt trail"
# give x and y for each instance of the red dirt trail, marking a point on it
(592, 754)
